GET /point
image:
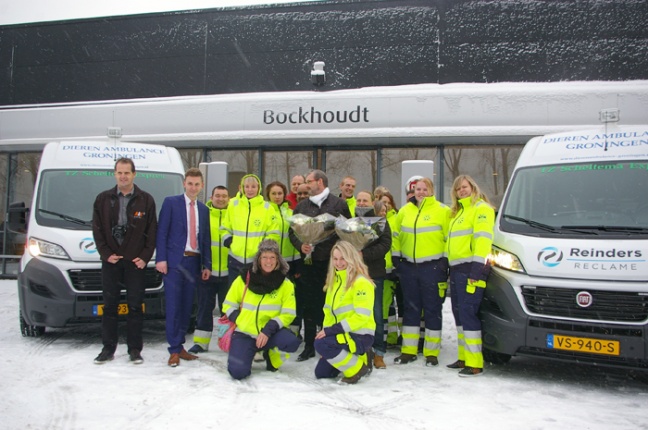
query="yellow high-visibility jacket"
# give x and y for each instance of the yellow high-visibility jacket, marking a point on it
(419, 232)
(470, 236)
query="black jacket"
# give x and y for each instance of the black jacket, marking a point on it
(139, 240)
(374, 253)
(331, 205)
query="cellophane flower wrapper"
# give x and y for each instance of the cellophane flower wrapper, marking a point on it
(312, 230)
(360, 231)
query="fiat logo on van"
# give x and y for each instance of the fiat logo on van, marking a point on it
(88, 245)
(584, 299)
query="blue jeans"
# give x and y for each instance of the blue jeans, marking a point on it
(379, 337)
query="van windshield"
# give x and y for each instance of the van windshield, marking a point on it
(585, 200)
(65, 197)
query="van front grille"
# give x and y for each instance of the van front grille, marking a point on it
(90, 279)
(606, 305)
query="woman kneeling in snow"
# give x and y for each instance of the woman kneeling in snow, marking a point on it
(262, 310)
(349, 326)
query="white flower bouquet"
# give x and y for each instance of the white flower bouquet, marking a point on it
(312, 230)
(360, 231)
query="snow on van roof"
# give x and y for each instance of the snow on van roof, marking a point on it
(600, 144)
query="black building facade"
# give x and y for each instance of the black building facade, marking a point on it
(363, 43)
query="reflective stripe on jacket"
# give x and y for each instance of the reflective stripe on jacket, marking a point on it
(420, 231)
(248, 222)
(258, 309)
(288, 251)
(352, 308)
(219, 250)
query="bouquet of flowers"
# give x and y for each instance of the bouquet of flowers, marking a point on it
(312, 230)
(359, 231)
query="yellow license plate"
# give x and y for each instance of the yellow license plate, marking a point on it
(584, 344)
(122, 309)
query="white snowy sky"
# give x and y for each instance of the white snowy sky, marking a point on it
(25, 11)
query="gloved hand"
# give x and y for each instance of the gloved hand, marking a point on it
(443, 287)
(473, 285)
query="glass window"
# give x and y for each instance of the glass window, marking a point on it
(191, 157)
(66, 196)
(239, 163)
(490, 166)
(283, 165)
(362, 165)
(584, 200)
(392, 159)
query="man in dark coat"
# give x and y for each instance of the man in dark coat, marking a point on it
(310, 285)
(124, 226)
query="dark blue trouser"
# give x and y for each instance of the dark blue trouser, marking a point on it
(179, 289)
(207, 292)
(114, 278)
(465, 307)
(420, 285)
(233, 269)
(329, 348)
(243, 349)
(379, 339)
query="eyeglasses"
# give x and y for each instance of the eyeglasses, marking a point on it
(305, 193)
(311, 180)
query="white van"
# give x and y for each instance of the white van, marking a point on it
(59, 282)
(570, 252)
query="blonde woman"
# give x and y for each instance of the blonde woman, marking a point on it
(420, 229)
(469, 242)
(348, 334)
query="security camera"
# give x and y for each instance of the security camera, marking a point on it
(318, 76)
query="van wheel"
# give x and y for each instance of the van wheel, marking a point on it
(30, 330)
(495, 357)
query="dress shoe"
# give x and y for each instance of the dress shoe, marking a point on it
(174, 359)
(135, 356)
(307, 353)
(186, 356)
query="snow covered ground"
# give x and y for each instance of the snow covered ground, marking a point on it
(52, 383)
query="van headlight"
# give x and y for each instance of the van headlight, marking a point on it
(39, 247)
(505, 260)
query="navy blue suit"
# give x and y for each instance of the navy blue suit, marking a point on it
(183, 272)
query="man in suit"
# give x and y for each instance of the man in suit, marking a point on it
(183, 256)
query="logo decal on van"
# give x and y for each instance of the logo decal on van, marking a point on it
(584, 299)
(88, 245)
(550, 256)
